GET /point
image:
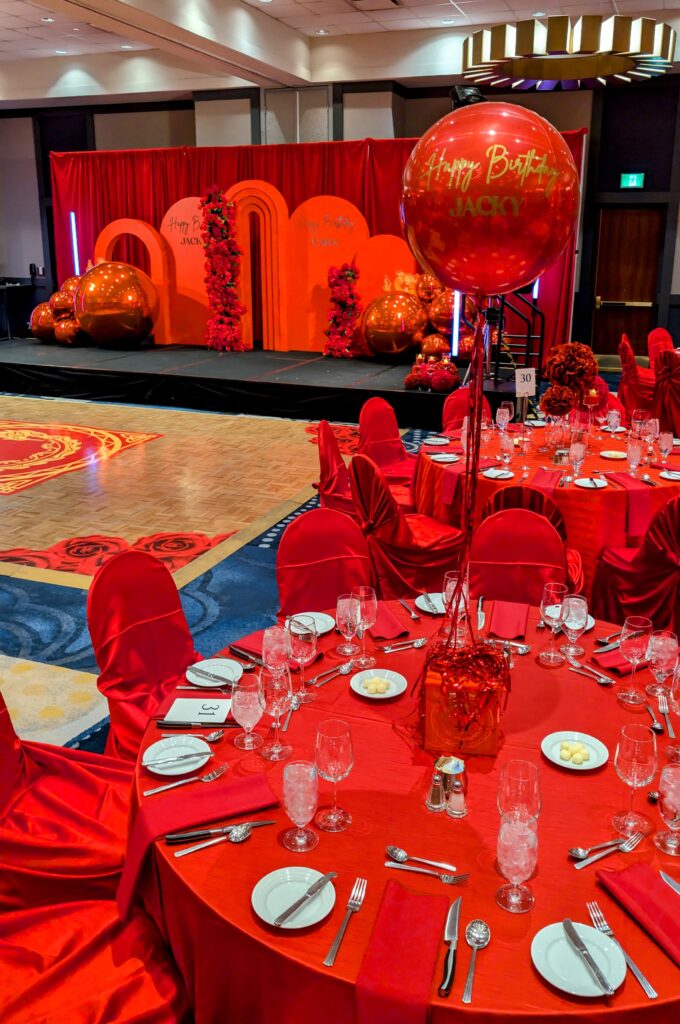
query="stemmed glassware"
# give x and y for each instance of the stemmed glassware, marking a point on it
(303, 643)
(276, 648)
(246, 709)
(519, 789)
(300, 799)
(510, 406)
(485, 431)
(665, 445)
(662, 657)
(552, 613)
(275, 699)
(577, 453)
(636, 422)
(517, 856)
(669, 808)
(507, 448)
(502, 417)
(574, 625)
(613, 420)
(347, 619)
(633, 646)
(334, 762)
(673, 753)
(635, 762)
(456, 615)
(634, 449)
(368, 613)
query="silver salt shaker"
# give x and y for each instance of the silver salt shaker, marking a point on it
(455, 785)
(436, 800)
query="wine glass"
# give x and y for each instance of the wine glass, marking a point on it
(275, 698)
(577, 453)
(669, 808)
(519, 790)
(662, 657)
(517, 856)
(665, 445)
(636, 421)
(246, 709)
(653, 428)
(574, 625)
(502, 417)
(456, 615)
(347, 619)
(613, 420)
(368, 613)
(334, 761)
(507, 447)
(303, 644)
(633, 646)
(552, 613)
(634, 450)
(635, 762)
(510, 406)
(300, 798)
(276, 648)
(673, 753)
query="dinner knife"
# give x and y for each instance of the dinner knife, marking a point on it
(617, 643)
(245, 654)
(201, 672)
(214, 840)
(178, 757)
(205, 833)
(163, 723)
(450, 936)
(675, 886)
(481, 617)
(430, 603)
(313, 891)
(579, 945)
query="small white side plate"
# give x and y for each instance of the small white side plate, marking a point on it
(436, 599)
(590, 484)
(670, 474)
(536, 424)
(498, 474)
(445, 457)
(324, 623)
(553, 610)
(599, 755)
(617, 430)
(613, 455)
(397, 683)
(174, 746)
(227, 669)
(436, 440)
(557, 961)
(279, 889)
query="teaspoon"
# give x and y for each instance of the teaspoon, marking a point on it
(580, 852)
(656, 725)
(294, 706)
(211, 737)
(396, 853)
(477, 935)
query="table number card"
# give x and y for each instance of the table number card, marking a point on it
(201, 709)
(525, 382)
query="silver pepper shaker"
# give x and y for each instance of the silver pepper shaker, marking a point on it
(436, 800)
(455, 785)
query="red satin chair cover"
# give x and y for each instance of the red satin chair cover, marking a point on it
(322, 554)
(658, 341)
(410, 552)
(644, 580)
(667, 391)
(456, 409)
(63, 821)
(514, 553)
(334, 489)
(636, 387)
(141, 641)
(76, 963)
(379, 439)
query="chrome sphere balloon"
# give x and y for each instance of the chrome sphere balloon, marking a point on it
(116, 303)
(393, 323)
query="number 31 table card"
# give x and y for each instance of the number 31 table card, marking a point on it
(192, 709)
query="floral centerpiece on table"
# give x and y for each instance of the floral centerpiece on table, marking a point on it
(222, 272)
(571, 369)
(344, 314)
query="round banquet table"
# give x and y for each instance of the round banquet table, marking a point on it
(237, 968)
(594, 519)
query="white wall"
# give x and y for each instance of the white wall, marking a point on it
(152, 129)
(223, 122)
(20, 234)
(296, 115)
(368, 115)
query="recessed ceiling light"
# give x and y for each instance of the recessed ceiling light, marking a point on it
(538, 14)
(126, 46)
(322, 31)
(76, 30)
(61, 53)
(448, 21)
(47, 19)
(265, 1)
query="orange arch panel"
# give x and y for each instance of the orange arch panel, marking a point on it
(267, 203)
(379, 257)
(181, 228)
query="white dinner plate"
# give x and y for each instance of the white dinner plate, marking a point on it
(445, 457)
(437, 440)
(536, 423)
(174, 746)
(599, 755)
(557, 961)
(397, 683)
(613, 455)
(279, 889)
(226, 668)
(590, 483)
(436, 599)
(495, 473)
(670, 474)
(324, 623)
(617, 430)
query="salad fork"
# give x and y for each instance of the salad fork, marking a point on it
(354, 902)
(210, 777)
(599, 921)
(442, 876)
(663, 708)
(626, 847)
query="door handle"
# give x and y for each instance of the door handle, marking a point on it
(601, 303)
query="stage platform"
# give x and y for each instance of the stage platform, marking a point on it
(299, 385)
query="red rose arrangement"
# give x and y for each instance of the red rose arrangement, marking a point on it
(573, 366)
(557, 400)
(343, 316)
(223, 268)
(441, 377)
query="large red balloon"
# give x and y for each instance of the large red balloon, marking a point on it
(489, 198)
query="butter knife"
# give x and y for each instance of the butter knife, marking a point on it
(164, 723)
(450, 936)
(313, 891)
(431, 606)
(675, 886)
(178, 757)
(579, 945)
(205, 833)
(481, 617)
(245, 654)
(202, 674)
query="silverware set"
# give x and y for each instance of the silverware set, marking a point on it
(626, 847)
(599, 922)
(443, 877)
(216, 773)
(325, 677)
(404, 645)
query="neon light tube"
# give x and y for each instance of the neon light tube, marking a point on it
(455, 327)
(74, 244)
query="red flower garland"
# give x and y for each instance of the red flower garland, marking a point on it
(223, 267)
(343, 316)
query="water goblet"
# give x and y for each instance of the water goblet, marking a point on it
(519, 789)
(636, 422)
(577, 453)
(300, 798)
(275, 695)
(457, 614)
(574, 625)
(485, 431)
(613, 420)
(276, 648)
(246, 709)
(502, 418)
(303, 643)
(347, 619)
(524, 440)
(552, 613)
(634, 450)
(368, 613)
(673, 753)
(669, 808)
(334, 761)
(633, 646)
(507, 448)
(635, 762)
(510, 406)
(517, 856)
(665, 445)
(662, 657)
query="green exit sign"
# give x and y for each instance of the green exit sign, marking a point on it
(633, 180)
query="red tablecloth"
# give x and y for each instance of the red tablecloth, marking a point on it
(594, 519)
(236, 968)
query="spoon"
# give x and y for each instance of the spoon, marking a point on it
(580, 852)
(477, 935)
(646, 478)
(342, 670)
(294, 706)
(240, 833)
(656, 725)
(211, 737)
(396, 853)
(420, 642)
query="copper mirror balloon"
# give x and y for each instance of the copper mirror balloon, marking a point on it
(67, 332)
(61, 305)
(428, 288)
(392, 323)
(42, 322)
(116, 303)
(70, 286)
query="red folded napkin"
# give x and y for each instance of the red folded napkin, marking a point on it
(639, 503)
(387, 626)
(168, 812)
(546, 480)
(395, 977)
(651, 902)
(449, 485)
(508, 620)
(660, 465)
(614, 661)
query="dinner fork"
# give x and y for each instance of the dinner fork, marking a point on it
(663, 708)
(210, 777)
(447, 879)
(626, 847)
(354, 902)
(598, 919)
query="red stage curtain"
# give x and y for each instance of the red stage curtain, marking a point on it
(103, 186)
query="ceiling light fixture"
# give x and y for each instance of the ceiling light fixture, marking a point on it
(448, 21)
(538, 14)
(126, 46)
(322, 31)
(47, 19)
(61, 53)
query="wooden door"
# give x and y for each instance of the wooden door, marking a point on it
(627, 275)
